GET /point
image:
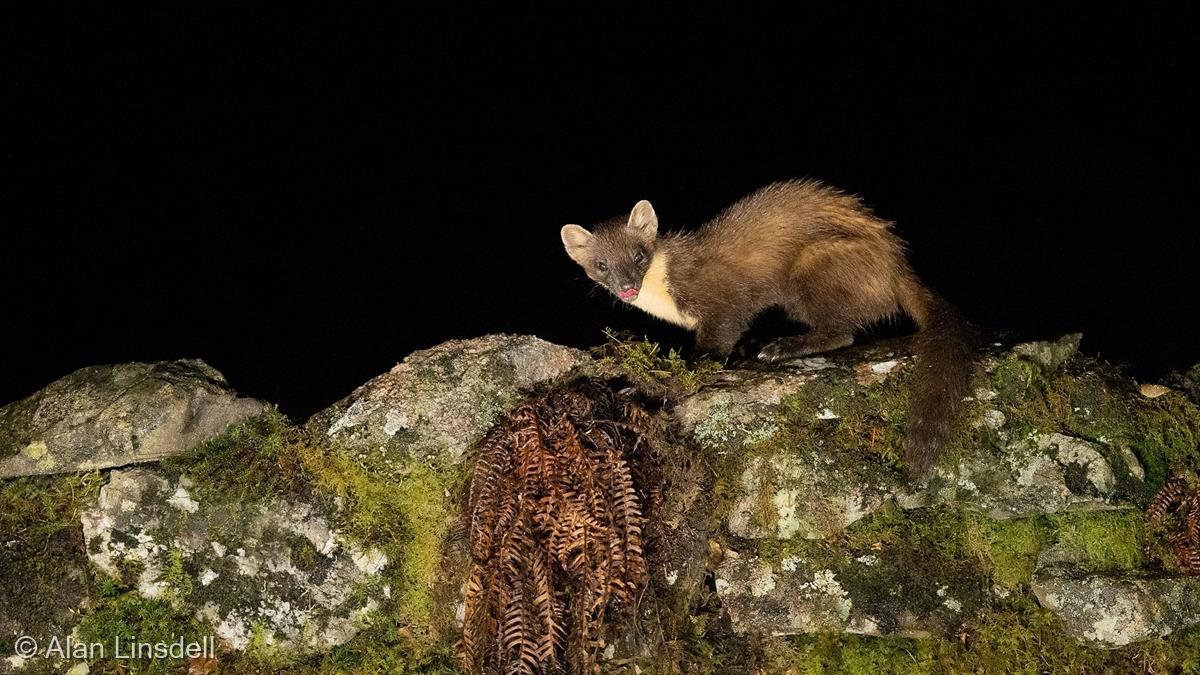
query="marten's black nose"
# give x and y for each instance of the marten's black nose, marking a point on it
(626, 286)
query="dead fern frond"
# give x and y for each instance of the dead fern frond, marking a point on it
(1181, 501)
(556, 524)
(1168, 496)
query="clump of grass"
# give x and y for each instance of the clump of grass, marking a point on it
(644, 362)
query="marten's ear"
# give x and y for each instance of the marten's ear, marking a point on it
(643, 219)
(578, 242)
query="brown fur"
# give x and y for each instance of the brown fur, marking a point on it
(818, 253)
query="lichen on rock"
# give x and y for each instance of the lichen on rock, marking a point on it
(111, 416)
(275, 567)
(439, 401)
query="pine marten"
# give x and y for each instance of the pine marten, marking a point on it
(818, 253)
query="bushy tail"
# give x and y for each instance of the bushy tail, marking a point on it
(943, 370)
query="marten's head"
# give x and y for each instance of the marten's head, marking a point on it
(618, 253)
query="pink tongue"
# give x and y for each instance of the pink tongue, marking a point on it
(626, 294)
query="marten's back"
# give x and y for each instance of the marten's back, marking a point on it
(755, 243)
(796, 213)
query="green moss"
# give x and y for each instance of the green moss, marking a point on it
(821, 654)
(262, 456)
(1009, 547)
(869, 420)
(1015, 377)
(386, 648)
(37, 508)
(1098, 542)
(645, 363)
(1092, 400)
(176, 576)
(129, 616)
(42, 552)
(1106, 540)
(407, 518)
(1021, 637)
(1016, 637)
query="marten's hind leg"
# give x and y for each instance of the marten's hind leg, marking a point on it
(817, 340)
(835, 288)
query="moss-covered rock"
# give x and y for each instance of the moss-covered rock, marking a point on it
(109, 416)
(43, 564)
(893, 573)
(784, 512)
(235, 565)
(1052, 462)
(811, 447)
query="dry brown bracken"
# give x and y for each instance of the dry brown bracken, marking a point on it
(556, 533)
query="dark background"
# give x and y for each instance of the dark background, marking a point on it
(303, 199)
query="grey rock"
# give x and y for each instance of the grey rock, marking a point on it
(1050, 354)
(1111, 607)
(742, 409)
(110, 416)
(810, 495)
(275, 566)
(438, 402)
(1113, 611)
(1191, 382)
(1037, 474)
(871, 594)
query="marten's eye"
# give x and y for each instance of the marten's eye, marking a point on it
(639, 256)
(602, 266)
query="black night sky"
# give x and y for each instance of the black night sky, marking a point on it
(302, 199)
